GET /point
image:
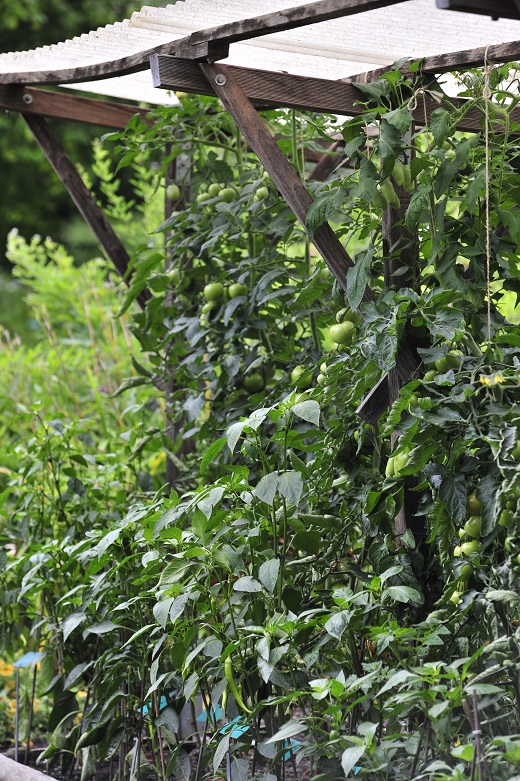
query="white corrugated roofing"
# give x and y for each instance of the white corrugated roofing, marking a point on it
(334, 49)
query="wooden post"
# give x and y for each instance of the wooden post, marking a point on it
(83, 198)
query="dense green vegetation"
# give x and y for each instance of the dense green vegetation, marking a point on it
(268, 587)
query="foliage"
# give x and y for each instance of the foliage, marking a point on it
(270, 589)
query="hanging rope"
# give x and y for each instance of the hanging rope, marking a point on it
(486, 94)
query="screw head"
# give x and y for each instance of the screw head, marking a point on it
(27, 99)
(220, 79)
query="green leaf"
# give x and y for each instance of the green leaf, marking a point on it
(290, 486)
(71, 623)
(247, 584)
(417, 210)
(266, 488)
(453, 493)
(293, 727)
(440, 125)
(212, 452)
(308, 541)
(130, 382)
(351, 757)
(268, 574)
(404, 594)
(504, 596)
(307, 410)
(337, 623)
(161, 611)
(358, 276)
(401, 118)
(464, 752)
(323, 207)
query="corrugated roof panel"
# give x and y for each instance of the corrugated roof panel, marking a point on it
(333, 49)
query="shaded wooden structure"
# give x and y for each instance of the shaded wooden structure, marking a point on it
(193, 64)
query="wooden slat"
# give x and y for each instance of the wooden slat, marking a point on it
(289, 91)
(82, 197)
(495, 8)
(64, 106)
(452, 61)
(279, 169)
(205, 45)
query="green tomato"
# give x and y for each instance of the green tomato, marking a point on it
(430, 376)
(456, 597)
(473, 526)
(352, 316)
(441, 365)
(207, 307)
(461, 533)
(237, 289)
(203, 197)
(506, 518)
(401, 460)
(262, 193)
(389, 194)
(254, 382)
(228, 194)
(214, 190)
(398, 173)
(323, 368)
(518, 559)
(342, 333)
(325, 274)
(214, 291)
(466, 571)
(470, 547)
(173, 192)
(510, 544)
(473, 505)
(301, 377)
(321, 379)
(390, 467)
(457, 551)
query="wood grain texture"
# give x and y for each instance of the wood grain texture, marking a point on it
(82, 197)
(204, 45)
(452, 61)
(269, 88)
(505, 9)
(14, 771)
(279, 169)
(68, 106)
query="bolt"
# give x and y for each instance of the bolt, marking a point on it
(28, 99)
(220, 79)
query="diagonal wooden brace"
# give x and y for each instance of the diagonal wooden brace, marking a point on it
(284, 176)
(83, 198)
(280, 170)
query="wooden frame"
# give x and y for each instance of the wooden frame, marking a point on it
(44, 103)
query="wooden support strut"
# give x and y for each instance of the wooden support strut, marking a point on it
(83, 198)
(92, 111)
(278, 167)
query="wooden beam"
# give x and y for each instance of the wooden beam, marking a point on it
(82, 197)
(496, 9)
(452, 61)
(290, 91)
(205, 45)
(280, 170)
(39, 102)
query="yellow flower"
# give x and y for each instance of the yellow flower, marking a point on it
(493, 379)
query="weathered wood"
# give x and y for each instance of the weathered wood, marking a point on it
(82, 197)
(452, 61)
(14, 771)
(68, 106)
(280, 170)
(494, 8)
(286, 90)
(205, 45)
